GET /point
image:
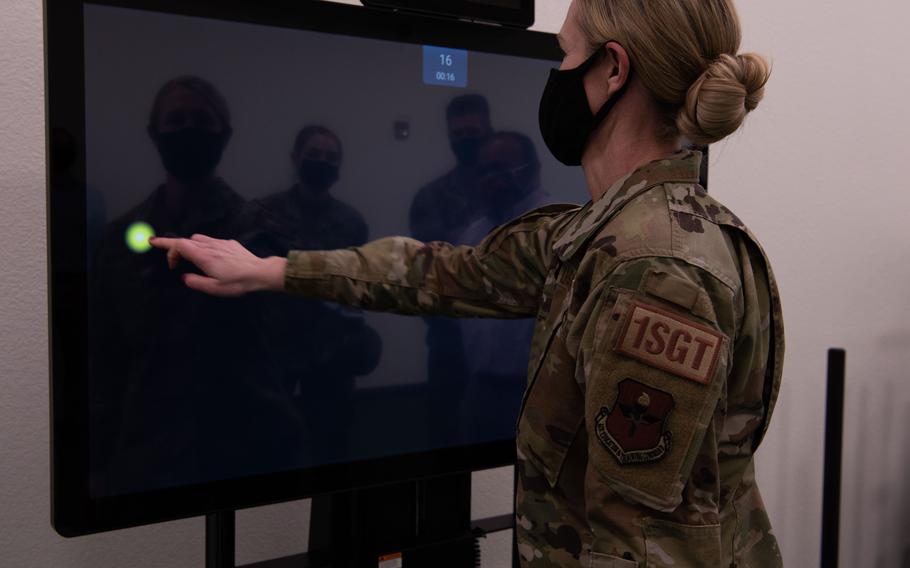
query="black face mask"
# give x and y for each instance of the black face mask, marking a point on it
(466, 149)
(318, 175)
(190, 154)
(566, 121)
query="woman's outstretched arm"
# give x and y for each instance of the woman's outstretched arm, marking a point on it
(502, 277)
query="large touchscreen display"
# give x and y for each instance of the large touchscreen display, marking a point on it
(292, 140)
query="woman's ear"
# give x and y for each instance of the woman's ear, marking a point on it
(608, 76)
(620, 68)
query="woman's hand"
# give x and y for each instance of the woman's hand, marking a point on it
(230, 269)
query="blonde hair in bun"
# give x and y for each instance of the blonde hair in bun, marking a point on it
(685, 54)
(717, 103)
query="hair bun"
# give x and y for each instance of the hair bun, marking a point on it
(717, 103)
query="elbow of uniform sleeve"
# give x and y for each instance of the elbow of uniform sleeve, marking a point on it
(376, 276)
(403, 275)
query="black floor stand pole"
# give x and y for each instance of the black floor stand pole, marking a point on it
(219, 540)
(834, 429)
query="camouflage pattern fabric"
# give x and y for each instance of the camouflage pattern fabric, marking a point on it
(654, 370)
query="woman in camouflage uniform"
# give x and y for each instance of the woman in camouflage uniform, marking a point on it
(659, 341)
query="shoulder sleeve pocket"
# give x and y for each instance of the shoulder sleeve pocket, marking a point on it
(657, 375)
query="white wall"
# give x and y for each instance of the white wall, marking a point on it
(817, 174)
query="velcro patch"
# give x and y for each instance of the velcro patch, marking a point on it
(667, 341)
(634, 430)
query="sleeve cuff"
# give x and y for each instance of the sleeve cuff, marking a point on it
(303, 272)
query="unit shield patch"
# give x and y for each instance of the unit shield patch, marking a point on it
(633, 431)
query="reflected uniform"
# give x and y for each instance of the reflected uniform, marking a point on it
(173, 369)
(655, 366)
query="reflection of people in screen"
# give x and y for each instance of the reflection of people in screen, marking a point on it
(320, 360)
(445, 206)
(180, 388)
(496, 351)
(508, 181)
(312, 216)
(441, 211)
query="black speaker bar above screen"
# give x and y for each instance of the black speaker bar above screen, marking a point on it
(517, 13)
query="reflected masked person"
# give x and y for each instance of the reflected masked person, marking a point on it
(444, 207)
(182, 389)
(508, 181)
(319, 362)
(310, 216)
(441, 211)
(497, 351)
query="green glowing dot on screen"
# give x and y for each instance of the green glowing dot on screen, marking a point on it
(137, 237)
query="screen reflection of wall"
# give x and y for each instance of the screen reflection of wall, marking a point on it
(292, 140)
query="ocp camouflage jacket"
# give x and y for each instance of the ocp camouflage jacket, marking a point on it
(654, 370)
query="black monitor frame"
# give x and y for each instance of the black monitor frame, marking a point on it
(521, 16)
(74, 511)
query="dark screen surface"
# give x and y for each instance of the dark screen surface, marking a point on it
(502, 3)
(283, 138)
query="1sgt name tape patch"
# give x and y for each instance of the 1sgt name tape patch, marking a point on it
(667, 341)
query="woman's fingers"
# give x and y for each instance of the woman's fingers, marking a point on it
(226, 264)
(205, 284)
(162, 242)
(177, 249)
(191, 251)
(169, 245)
(203, 238)
(174, 253)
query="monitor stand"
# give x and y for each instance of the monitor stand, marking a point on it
(406, 525)
(415, 524)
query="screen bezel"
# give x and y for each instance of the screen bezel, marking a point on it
(74, 512)
(522, 17)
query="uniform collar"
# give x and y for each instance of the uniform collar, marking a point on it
(682, 167)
